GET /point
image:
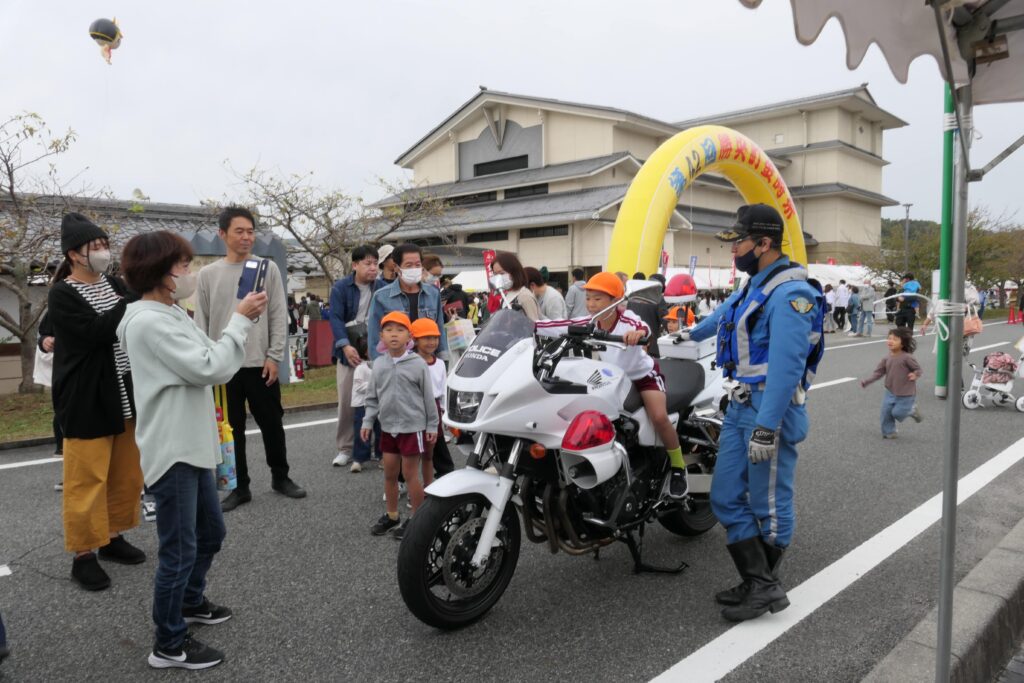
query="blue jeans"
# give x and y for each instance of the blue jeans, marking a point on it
(190, 526)
(854, 316)
(867, 321)
(895, 409)
(756, 500)
(360, 448)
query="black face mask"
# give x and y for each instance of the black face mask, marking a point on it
(748, 262)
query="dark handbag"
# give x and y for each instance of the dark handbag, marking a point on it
(356, 331)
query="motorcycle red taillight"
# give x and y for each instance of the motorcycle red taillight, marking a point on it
(589, 429)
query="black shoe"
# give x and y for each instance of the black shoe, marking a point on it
(234, 499)
(86, 570)
(383, 525)
(5, 652)
(399, 531)
(288, 488)
(736, 594)
(122, 552)
(205, 613)
(765, 594)
(677, 484)
(191, 655)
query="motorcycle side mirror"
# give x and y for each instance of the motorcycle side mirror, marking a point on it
(645, 287)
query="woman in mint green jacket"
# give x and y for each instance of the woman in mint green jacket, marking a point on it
(174, 364)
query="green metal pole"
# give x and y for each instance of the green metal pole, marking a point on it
(946, 238)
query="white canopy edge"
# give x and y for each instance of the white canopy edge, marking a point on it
(904, 30)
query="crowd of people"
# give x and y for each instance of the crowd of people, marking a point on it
(131, 368)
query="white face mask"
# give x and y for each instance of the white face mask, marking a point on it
(431, 279)
(411, 276)
(501, 280)
(98, 260)
(184, 286)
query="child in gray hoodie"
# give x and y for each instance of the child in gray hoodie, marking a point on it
(401, 398)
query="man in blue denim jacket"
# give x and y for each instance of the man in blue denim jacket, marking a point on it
(350, 307)
(408, 295)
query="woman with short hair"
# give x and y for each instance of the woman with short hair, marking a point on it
(509, 276)
(175, 364)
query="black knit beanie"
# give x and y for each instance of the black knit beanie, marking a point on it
(76, 230)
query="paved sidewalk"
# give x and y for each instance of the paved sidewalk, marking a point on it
(1014, 671)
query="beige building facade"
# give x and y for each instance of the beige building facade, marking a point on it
(544, 178)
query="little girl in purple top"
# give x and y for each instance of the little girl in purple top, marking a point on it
(901, 371)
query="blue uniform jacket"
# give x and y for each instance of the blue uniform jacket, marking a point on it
(391, 298)
(784, 329)
(344, 303)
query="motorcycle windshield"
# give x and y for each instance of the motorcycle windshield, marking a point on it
(504, 330)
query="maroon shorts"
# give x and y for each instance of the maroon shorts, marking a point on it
(407, 445)
(653, 381)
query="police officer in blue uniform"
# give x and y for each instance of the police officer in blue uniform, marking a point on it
(769, 343)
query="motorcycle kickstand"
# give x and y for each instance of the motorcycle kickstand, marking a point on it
(636, 550)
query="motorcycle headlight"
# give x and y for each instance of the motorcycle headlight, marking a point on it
(462, 405)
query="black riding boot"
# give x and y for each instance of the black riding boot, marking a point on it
(735, 595)
(765, 594)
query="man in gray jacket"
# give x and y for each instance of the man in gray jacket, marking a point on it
(868, 295)
(256, 383)
(575, 297)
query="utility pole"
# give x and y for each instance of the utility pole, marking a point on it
(906, 239)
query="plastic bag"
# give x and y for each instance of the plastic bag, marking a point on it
(42, 373)
(227, 475)
(460, 334)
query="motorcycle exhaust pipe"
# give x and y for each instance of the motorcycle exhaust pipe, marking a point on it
(578, 547)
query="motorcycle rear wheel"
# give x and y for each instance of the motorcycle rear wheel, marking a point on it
(698, 520)
(435, 579)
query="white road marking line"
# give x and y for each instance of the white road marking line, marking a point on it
(882, 340)
(4, 570)
(990, 346)
(297, 425)
(734, 647)
(27, 463)
(831, 383)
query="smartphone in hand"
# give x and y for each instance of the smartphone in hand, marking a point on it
(254, 276)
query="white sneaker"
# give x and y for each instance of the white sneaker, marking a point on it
(851, 334)
(356, 467)
(341, 459)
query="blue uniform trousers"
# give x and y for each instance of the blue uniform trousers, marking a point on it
(756, 500)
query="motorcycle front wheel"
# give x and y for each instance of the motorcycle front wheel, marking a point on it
(438, 583)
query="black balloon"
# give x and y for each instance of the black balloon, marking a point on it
(104, 31)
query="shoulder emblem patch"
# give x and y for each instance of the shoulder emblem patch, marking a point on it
(801, 305)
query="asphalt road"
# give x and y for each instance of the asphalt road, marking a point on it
(315, 596)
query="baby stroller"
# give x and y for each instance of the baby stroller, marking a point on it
(994, 382)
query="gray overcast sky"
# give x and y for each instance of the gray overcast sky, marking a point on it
(343, 88)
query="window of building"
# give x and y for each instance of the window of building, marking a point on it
(528, 191)
(779, 138)
(501, 165)
(477, 198)
(489, 236)
(546, 231)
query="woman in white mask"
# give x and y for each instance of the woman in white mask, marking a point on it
(92, 398)
(174, 365)
(509, 278)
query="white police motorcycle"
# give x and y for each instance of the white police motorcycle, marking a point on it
(565, 439)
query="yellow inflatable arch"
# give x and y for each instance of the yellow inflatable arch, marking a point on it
(640, 228)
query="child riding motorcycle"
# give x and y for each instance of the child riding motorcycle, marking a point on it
(603, 291)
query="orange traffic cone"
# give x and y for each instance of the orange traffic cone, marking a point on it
(1012, 319)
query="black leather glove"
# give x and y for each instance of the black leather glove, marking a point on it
(764, 444)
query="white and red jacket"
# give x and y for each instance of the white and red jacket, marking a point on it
(633, 360)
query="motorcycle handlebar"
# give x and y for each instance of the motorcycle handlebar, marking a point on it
(601, 335)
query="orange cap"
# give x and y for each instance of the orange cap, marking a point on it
(425, 327)
(606, 282)
(673, 313)
(396, 317)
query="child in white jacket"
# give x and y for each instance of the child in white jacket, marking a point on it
(361, 450)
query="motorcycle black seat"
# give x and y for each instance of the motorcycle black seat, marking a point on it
(684, 379)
